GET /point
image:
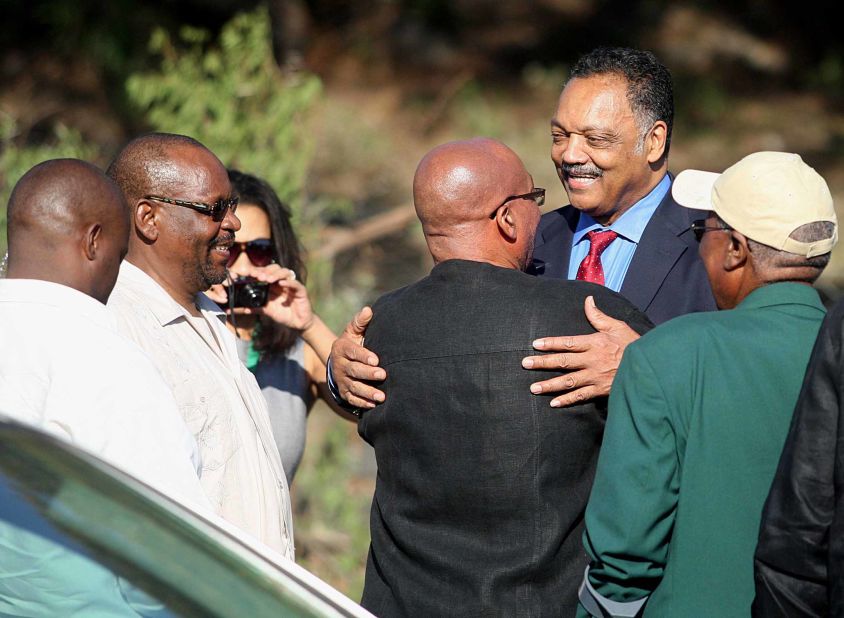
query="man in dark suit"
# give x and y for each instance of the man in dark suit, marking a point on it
(611, 136)
(481, 490)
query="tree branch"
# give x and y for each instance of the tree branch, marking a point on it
(337, 240)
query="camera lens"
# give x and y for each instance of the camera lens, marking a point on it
(249, 293)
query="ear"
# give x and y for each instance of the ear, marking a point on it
(145, 220)
(655, 141)
(91, 241)
(506, 222)
(737, 251)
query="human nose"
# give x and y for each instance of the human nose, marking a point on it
(241, 264)
(230, 221)
(573, 152)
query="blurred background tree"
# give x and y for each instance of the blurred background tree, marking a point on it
(16, 159)
(335, 102)
(234, 98)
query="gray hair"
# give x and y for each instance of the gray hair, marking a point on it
(768, 258)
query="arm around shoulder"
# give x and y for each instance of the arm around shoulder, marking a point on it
(351, 367)
(317, 372)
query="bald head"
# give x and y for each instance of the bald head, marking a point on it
(456, 182)
(67, 223)
(457, 188)
(145, 164)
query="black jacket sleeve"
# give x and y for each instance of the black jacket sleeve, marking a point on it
(799, 553)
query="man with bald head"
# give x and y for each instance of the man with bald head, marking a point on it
(68, 225)
(611, 135)
(480, 491)
(66, 370)
(183, 218)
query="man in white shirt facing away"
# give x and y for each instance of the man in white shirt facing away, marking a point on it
(63, 366)
(65, 369)
(182, 213)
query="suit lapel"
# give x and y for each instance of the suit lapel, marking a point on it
(552, 249)
(659, 249)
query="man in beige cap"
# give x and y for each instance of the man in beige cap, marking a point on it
(701, 405)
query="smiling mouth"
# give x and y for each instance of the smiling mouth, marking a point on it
(224, 242)
(580, 176)
(222, 246)
(580, 181)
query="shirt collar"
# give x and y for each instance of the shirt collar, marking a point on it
(631, 224)
(56, 295)
(210, 308)
(162, 305)
(782, 293)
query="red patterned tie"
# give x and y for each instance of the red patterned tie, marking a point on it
(590, 268)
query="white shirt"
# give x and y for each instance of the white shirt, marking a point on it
(219, 400)
(66, 370)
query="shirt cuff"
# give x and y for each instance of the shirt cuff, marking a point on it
(602, 607)
(335, 393)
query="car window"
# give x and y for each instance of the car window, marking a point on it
(43, 572)
(73, 531)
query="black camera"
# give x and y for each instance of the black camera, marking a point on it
(248, 292)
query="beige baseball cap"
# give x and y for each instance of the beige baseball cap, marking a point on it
(766, 196)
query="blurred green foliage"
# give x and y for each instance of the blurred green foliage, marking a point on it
(829, 74)
(234, 98)
(330, 512)
(16, 159)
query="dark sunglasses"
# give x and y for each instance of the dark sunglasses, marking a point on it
(699, 228)
(261, 252)
(217, 211)
(537, 195)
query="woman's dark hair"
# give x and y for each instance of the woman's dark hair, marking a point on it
(270, 337)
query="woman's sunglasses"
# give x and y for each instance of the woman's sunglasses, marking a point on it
(261, 252)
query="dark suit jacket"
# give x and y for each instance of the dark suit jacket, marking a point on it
(666, 277)
(481, 486)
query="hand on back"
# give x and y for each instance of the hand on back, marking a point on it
(352, 364)
(591, 361)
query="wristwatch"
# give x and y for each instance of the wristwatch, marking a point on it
(335, 394)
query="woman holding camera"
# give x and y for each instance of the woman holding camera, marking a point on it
(280, 338)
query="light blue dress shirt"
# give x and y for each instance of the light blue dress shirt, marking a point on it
(629, 226)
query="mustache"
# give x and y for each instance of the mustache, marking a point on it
(582, 169)
(226, 240)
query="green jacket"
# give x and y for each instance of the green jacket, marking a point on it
(698, 414)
